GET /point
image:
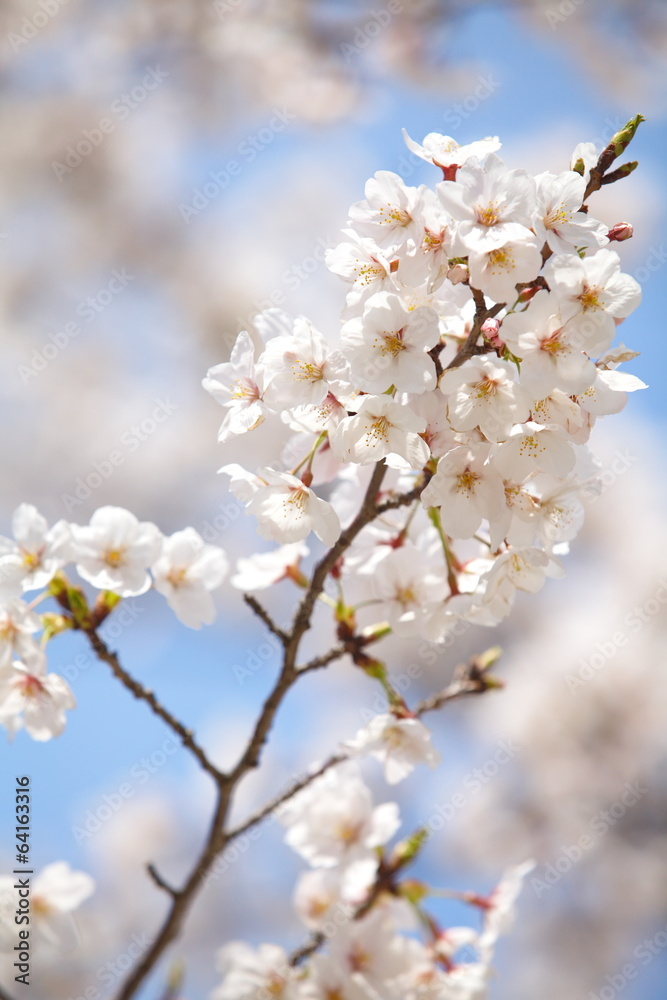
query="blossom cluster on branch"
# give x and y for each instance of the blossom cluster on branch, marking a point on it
(439, 453)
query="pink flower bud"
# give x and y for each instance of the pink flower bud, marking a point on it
(457, 273)
(621, 231)
(527, 293)
(490, 328)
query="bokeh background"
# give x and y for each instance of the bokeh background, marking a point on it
(308, 98)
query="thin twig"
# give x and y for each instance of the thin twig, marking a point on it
(139, 691)
(322, 661)
(264, 615)
(285, 796)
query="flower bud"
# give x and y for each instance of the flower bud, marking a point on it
(490, 329)
(457, 273)
(621, 231)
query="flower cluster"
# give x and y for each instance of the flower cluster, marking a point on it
(438, 451)
(356, 902)
(114, 553)
(473, 359)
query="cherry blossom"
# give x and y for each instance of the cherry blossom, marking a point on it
(56, 891)
(333, 821)
(399, 743)
(266, 568)
(36, 554)
(592, 294)
(115, 551)
(388, 345)
(490, 204)
(33, 699)
(287, 510)
(381, 426)
(387, 214)
(238, 385)
(484, 393)
(466, 489)
(443, 151)
(185, 572)
(558, 220)
(18, 625)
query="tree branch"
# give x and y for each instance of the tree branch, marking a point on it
(264, 615)
(139, 691)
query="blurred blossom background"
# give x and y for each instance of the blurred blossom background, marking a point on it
(172, 167)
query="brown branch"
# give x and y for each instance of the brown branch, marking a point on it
(159, 881)
(322, 661)
(264, 615)
(104, 654)
(217, 837)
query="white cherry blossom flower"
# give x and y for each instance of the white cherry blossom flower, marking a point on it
(238, 385)
(524, 569)
(361, 262)
(33, 699)
(532, 447)
(372, 954)
(608, 393)
(399, 743)
(549, 348)
(388, 344)
(386, 214)
(186, 571)
(300, 369)
(408, 589)
(558, 220)
(443, 151)
(381, 426)
(262, 570)
(18, 624)
(484, 393)
(32, 559)
(325, 893)
(426, 257)
(333, 820)
(497, 272)
(287, 510)
(492, 205)
(466, 489)
(593, 294)
(115, 550)
(500, 914)
(56, 891)
(255, 973)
